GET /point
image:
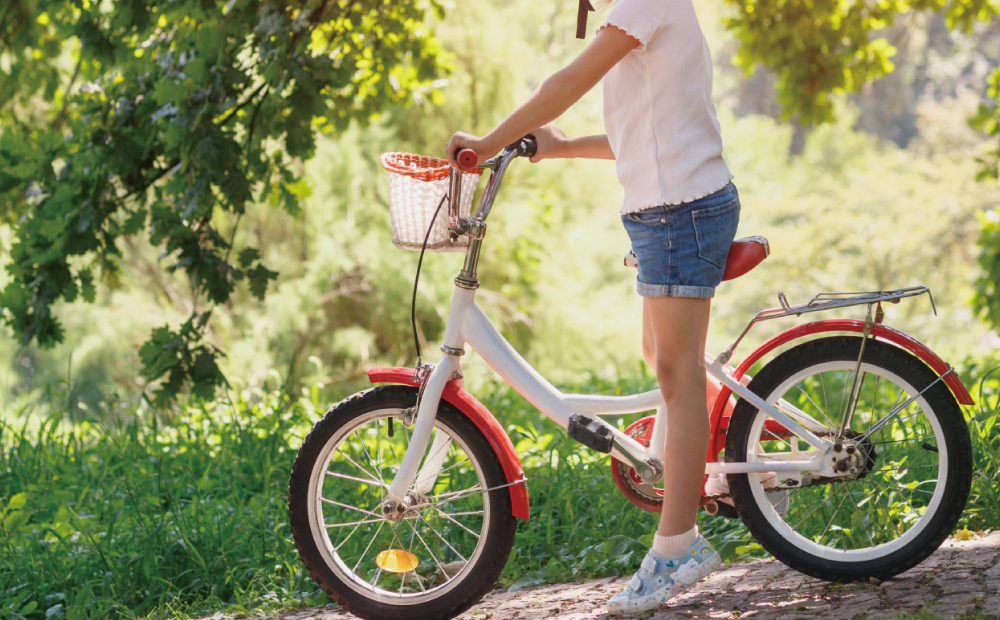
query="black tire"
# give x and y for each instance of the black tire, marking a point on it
(498, 529)
(955, 434)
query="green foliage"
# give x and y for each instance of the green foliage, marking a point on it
(187, 110)
(984, 425)
(819, 48)
(987, 120)
(986, 300)
(178, 356)
(136, 515)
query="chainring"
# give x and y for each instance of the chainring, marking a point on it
(641, 494)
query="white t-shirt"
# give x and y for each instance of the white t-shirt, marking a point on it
(658, 109)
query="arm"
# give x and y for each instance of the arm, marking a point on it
(553, 97)
(587, 147)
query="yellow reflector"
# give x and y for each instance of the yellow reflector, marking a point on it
(396, 561)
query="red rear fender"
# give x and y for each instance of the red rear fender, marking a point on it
(722, 409)
(484, 421)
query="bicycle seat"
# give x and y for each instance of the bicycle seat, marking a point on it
(744, 255)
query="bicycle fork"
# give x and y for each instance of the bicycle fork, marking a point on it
(399, 494)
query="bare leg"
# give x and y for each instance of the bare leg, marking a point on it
(677, 328)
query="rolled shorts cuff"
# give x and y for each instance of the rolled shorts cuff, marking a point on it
(674, 290)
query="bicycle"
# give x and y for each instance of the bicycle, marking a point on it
(403, 499)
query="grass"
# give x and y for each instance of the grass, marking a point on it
(133, 517)
(137, 517)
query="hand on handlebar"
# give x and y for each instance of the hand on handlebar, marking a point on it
(551, 143)
(462, 153)
(462, 140)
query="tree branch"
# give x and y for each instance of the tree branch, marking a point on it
(239, 107)
(69, 87)
(162, 173)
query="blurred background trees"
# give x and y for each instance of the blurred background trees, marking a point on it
(173, 116)
(884, 195)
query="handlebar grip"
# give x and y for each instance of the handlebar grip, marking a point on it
(530, 145)
(467, 159)
(526, 146)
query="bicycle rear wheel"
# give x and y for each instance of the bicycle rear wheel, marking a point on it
(437, 558)
(915, 474)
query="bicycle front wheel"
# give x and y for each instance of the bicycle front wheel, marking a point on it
(434, 559)
(915, 474)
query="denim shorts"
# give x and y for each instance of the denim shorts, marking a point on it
(682, 249)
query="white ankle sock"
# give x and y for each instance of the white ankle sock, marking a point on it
(673, 546)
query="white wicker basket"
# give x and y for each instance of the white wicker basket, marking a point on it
(416, 186)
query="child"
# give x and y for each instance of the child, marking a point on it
(680, 211)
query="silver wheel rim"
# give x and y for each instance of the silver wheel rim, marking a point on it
(346, 568)
(866, 544)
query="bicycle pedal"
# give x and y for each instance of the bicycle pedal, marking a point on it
(590, 433)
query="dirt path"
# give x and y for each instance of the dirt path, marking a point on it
(961, 578)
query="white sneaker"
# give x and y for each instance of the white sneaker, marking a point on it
(661, 578)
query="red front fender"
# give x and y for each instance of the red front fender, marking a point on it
(484, 421)
(720, 422)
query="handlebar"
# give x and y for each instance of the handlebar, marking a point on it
(467, 159)
(525, 147)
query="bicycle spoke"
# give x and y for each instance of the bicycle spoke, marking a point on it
(473, 489)
(346, 477)
(337, 548)
(355, 523)
(905, 499)
(890, 486)
(778, 438)
(416, 577)
(798, 386)
(835, 513)
(429, 552)
(886, 443)
(448, 544)
(368, 454)
(811, 512)
(452, 519)
(353, 462)
(360, 467)
(378, 450)
(365, 552)
(893, 408)
(843, 394)
(850, 494)
(342, 505)
(878, 471)
(871, 415)
(465, 460)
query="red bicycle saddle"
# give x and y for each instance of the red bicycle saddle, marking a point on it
(744, 255)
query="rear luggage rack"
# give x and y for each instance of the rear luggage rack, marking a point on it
(829, 301)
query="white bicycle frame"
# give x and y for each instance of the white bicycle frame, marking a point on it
(468, 325)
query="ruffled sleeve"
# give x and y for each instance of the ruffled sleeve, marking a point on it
(640, 19)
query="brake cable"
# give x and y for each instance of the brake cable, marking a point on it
(416, 280)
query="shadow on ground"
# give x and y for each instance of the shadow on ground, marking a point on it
(961, 579)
